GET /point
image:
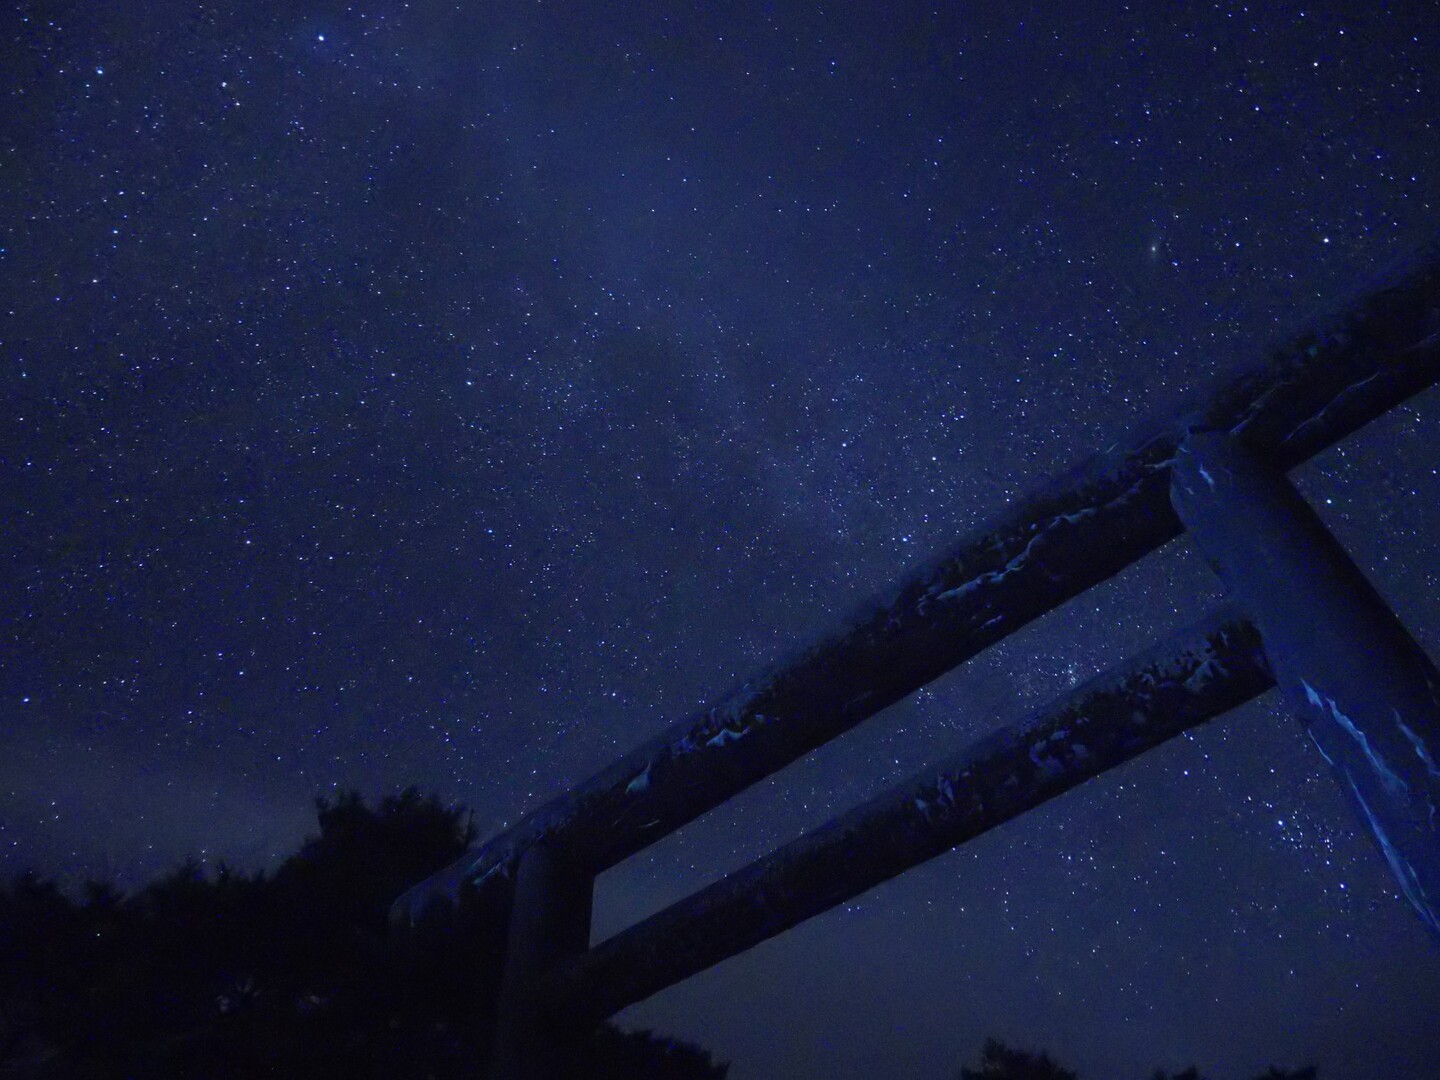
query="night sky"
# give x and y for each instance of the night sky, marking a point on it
(412, 393)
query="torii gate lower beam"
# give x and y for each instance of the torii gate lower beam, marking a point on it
(1050, 546)
(1199, 674)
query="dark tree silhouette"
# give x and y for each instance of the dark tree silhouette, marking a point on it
(1000, 1062)
(228, 976)
(1310, 1072)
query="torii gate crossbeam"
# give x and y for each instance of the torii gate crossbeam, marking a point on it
(1069, 536)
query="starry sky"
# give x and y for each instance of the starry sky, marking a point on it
(455, 395)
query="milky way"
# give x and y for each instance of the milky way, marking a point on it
(456, 396)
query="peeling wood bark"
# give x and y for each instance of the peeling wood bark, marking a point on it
(1199, 674)
(1073, 534)
(1364, 688)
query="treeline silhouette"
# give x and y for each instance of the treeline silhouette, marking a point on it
(1001, 1062)
(226, 976)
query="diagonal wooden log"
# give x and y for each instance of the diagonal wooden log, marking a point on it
(1189, 679)
(1080, 530)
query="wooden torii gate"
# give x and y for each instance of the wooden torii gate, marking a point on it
(1300, 614)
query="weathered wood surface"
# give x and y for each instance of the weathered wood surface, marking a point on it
(1364, 688)
(1199, 674)
(1080, 530)
(549, 924)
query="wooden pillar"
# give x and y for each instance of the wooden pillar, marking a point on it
(549, 925)
(1365, 690)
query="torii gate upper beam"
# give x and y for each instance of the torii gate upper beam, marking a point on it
(1078, 531)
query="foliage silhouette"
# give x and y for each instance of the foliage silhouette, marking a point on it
(1001, 1062)
(229, 976)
